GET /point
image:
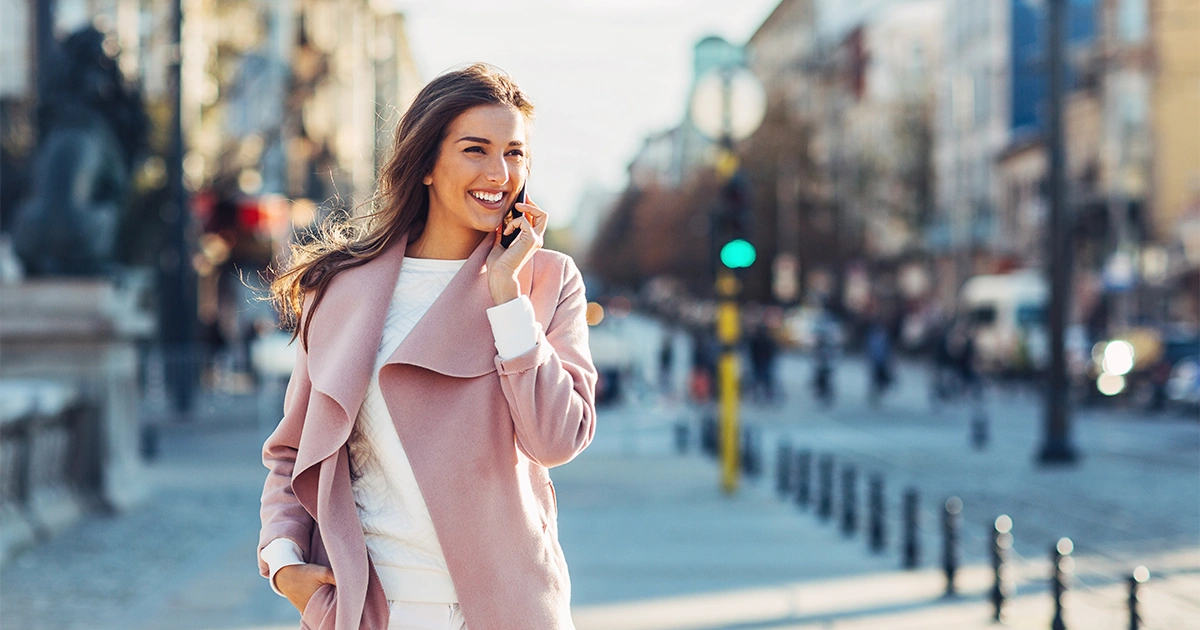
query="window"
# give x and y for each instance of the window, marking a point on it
(1131, 21)
(1030, 315)
(983, 315)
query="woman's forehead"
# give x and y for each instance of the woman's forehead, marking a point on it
(499, 124)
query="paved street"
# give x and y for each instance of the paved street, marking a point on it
(653, 544)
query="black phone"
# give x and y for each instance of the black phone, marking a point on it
(507, 239)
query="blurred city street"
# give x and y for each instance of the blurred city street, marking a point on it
(893, 310)
(653, 543)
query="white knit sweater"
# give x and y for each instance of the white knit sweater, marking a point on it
(399, 532)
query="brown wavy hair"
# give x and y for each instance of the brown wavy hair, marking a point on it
(401, 202)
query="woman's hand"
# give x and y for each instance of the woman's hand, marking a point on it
(298, 582)
(505, 264)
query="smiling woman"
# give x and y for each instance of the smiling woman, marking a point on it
(440, 378)
(479, 170)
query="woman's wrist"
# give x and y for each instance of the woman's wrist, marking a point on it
(504, 289)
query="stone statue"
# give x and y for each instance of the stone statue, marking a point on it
(92, 125)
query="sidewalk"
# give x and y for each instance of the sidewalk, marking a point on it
(651, 541)
(679, 555)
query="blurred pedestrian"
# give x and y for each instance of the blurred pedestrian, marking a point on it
(763, 351)
(825, 347)
(704, 366)
(961, 346)
(944, 368)
(666, 362)
(879, 351)
(439, 375)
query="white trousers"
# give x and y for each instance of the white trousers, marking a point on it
(423, 616)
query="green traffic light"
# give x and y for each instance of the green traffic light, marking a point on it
(738, 254)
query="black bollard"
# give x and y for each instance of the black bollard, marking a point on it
(951, 522)
(849, 501)
(912, 535)
(681, 437)
(825, 488)
(877, 514)
(1002, 587)
(1140, 575)
(708, 435)
(783, 469)
(751, 462)
(754, 450)
(804, 478)
(1062, 566)
(979, 430)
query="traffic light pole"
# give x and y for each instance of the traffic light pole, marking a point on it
(728, 333)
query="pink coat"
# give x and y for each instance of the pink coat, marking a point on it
(479, 432)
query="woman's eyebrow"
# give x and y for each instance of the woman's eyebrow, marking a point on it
(514, 143)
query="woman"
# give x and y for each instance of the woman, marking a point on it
(439, 375)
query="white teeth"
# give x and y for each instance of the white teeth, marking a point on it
(488, 197)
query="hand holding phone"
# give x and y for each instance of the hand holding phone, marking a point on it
(514, 213)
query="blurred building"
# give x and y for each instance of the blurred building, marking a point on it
(992, 95)
(780, 54)
(1148, 58)
(288, 110)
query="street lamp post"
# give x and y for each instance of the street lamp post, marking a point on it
(176, 286)
(1057, 447)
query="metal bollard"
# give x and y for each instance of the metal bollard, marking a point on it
(708, 435)
(751, 461)
(877, 508)
(1002, 587)
(979, 430)
(912, 536)
(1062, 565)
(951, 522)
(849, 501)
(681, 437)
(783, 469)
(755, 449)
(825, 488)
(1140, 575)
(804, 478)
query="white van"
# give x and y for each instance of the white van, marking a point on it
(1008, 315)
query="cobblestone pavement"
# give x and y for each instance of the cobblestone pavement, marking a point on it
(646, 530)
(184, 559)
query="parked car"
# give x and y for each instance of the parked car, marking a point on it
(1007, 313)
(1183, 386)
(1137, 364)
(801, 326)
(613, 359)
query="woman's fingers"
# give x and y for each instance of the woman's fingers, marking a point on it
(536, 214)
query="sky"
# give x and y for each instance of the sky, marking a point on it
(603, 74)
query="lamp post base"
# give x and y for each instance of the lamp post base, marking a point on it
(1057, 452)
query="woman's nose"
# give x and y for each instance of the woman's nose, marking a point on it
(497, 171)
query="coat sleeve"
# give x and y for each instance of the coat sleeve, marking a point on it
(551, 389)
(282, 514)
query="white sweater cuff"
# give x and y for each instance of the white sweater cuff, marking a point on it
(514, 327)
(280, 553)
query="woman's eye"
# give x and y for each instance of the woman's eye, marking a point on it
(517, 153)
(473, 150)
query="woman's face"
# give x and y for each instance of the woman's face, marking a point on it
(481, 165)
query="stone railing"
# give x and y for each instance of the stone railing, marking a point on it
(47, 460)
(69, 420)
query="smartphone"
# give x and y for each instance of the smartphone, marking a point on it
(507, 239)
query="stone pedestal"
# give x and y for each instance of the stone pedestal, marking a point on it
(84, 334)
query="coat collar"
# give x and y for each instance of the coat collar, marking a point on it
(453, 338)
